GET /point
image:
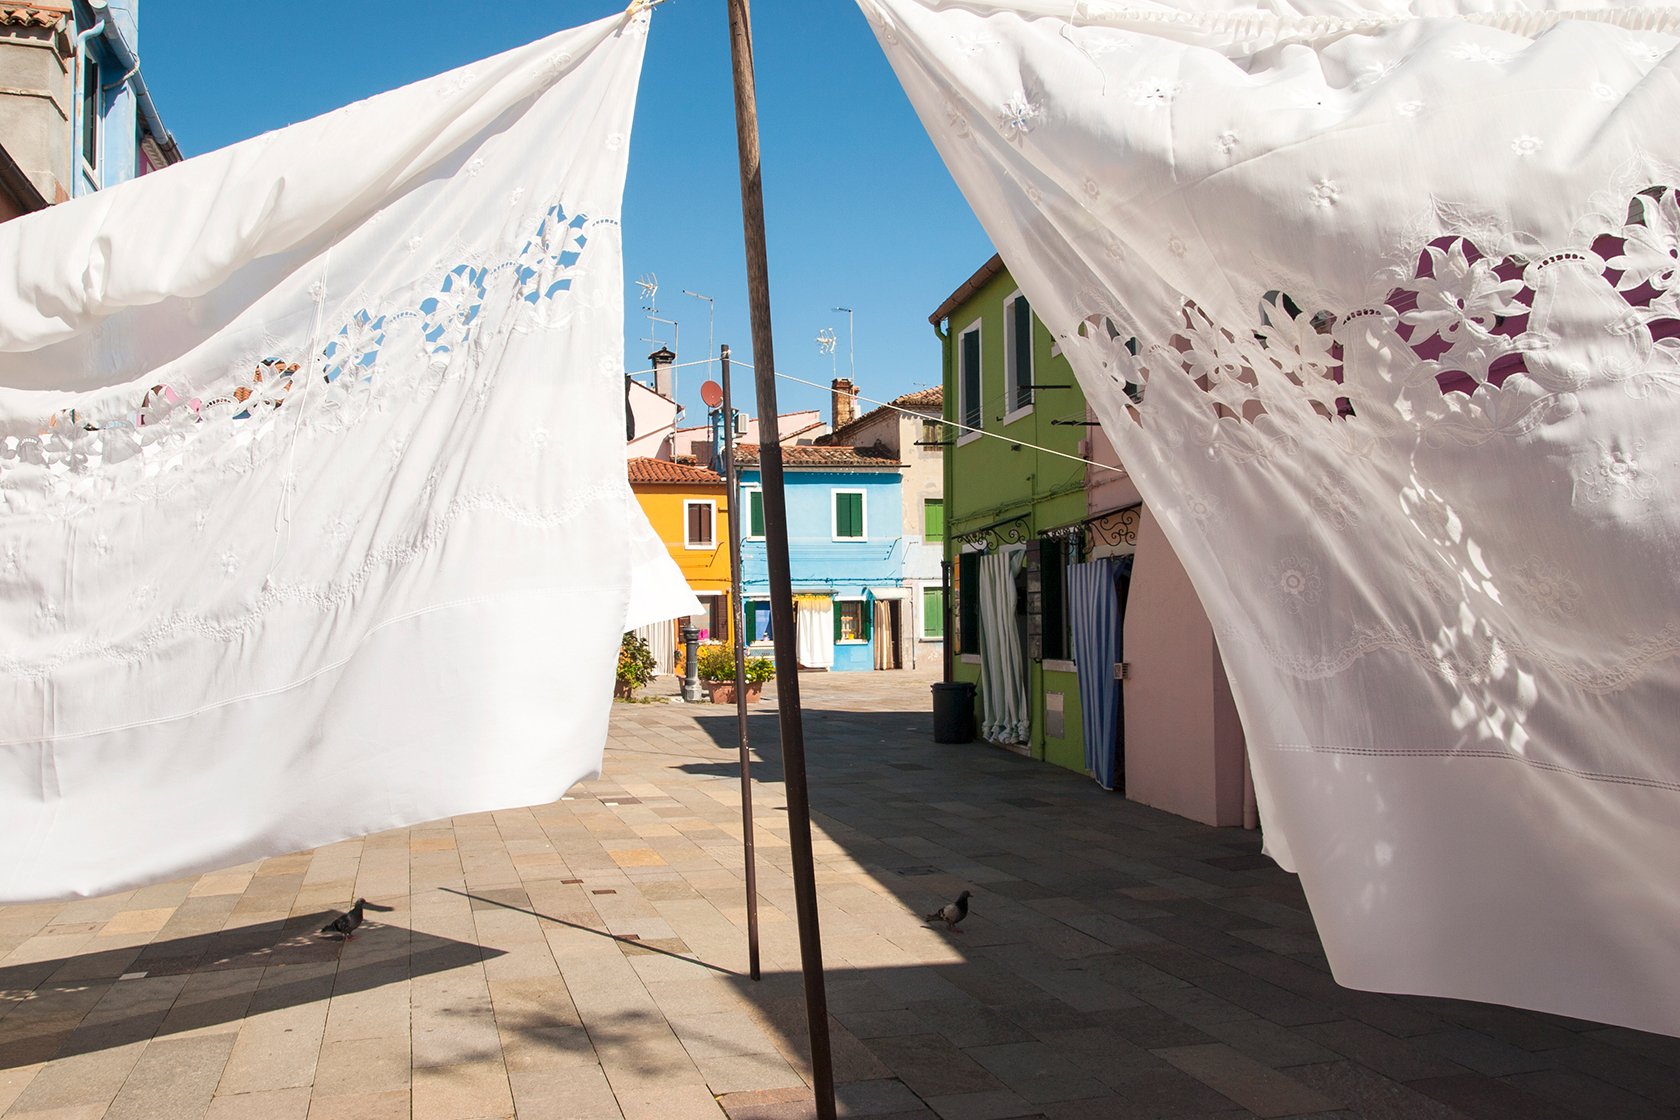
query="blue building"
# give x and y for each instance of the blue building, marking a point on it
(845, 550)
(75, 112)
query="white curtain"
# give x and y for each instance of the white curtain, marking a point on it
(301, 536)
(1003, 672)
(1379, 305)
(814, 637)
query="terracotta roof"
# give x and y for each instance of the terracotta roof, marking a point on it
(973, 284)
(822, 456)
(932, 400)
(32, 15)
(660, 471)
(922, 398)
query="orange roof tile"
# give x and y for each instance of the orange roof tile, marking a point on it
(929, 400)
(659, 471)
(820, 456)
(32, 15)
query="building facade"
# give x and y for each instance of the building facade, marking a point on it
(909, 428)
(75, 112)
(1069, 607)
(845, 552)
(688, 507)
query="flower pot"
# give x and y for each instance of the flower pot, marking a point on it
(723, 692)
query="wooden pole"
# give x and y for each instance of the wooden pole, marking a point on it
(776, 554)
(739, 621)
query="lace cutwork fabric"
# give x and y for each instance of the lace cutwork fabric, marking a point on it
(1386, 327)
(287, 551)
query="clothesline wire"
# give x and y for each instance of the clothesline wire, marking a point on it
(953, 423)
(906, 411)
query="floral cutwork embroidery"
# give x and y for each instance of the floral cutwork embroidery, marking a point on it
(1546, 588)
(1019, 114)
(1298, 583)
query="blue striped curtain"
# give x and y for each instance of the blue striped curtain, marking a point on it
(1094, 615)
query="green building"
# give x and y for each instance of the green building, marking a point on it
(1063, 581)
(1005, 486)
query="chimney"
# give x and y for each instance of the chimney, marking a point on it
(845, 401)
(664, 376)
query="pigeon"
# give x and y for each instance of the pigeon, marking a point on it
(346, 923)
(951, 913)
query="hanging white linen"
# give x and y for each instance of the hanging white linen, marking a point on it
(307, 531)
(1379, 306)
(1003, 672)
(814, 631)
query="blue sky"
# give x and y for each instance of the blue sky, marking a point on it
(860, 210)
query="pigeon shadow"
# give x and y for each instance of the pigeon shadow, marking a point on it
(96, 1001)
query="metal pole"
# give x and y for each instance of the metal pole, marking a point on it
(776, 554)
(739, 620)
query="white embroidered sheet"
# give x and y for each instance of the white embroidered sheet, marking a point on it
(311, 522)
(1379, 304)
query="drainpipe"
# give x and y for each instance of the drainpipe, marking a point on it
(945, 457)
(76, 122)
(127, 56)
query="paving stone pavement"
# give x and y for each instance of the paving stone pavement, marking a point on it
(585, 960)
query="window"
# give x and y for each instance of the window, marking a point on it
(758, 620)
(933, 519)
(968, 375)
(714, 623)
(90, 113)
(848, 515)
(700, 519)
(933, 613)
(754, 498)
(933, 432)
(1018, 352)
(968, 602)
(1047, 621)
(851, 620)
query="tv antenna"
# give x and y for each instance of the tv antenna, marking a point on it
(851, 338)
(825, 343)
(711, 320)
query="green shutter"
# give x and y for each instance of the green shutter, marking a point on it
(836, 609)
(755, 513)
(933, 612)
(848, 515)
(933, 519)
(751, 609)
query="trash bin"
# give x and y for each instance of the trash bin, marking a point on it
(953, 712)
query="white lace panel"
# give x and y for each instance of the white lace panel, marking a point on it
(300, 534)
(1380, 310)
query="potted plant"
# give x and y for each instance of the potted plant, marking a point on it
(717, 674)
(635, 666)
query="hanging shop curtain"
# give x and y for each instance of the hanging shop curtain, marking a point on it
(1003, 672)
(814, 631)
(1094, 620)
(1379, 306)
(300, 537)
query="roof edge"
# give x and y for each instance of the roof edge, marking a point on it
(968, 287)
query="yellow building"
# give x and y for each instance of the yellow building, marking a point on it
(689, 509)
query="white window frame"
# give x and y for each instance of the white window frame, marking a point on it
(834, 512)
(864, 599)
(963, 402)
(1013, 412)
(746, 509)
(700, 546)
(922, 606)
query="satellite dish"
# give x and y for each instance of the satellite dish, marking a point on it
(712, 393)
